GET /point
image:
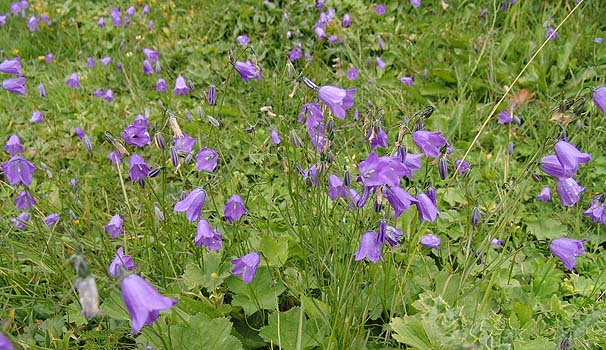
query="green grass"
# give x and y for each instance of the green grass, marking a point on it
(308, 293)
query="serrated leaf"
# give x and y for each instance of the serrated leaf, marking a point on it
(410, 331)
(275, 249)
(260, 294)
(545, 228)
(286, 329)
(210, 277)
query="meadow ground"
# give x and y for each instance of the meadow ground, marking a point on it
(302, 175)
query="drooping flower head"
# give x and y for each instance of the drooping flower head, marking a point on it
(567, 250)
(426, 207)
(346, 22)
(246, 266)
(406, 81)
(12, 66)
(234, 209)
(569, 191)
(398, 198)
(36, 117)
(51, 219)
(352, 73)
(20, 220)
(150, 55)
(247, 70)
(191, 204)
(380, 9)
(15, 85)
(13, 145)
(161, 85)
(369, 248)
(243, 39)
(206, 159)
(599, 98)
(596, 211)
(570, 157)
(142, 302)
(114, 227)
(337, 99)
(429, 142)
(377, 171)
(72, 81)
(206, 236)
(120, 263)
(544, 195)
(336, 189)
(18, 170)
(180, 86)
(430, 241)
(24, 201)
(138, 169)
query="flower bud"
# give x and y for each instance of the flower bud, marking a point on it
(443, 168)
(475, 216)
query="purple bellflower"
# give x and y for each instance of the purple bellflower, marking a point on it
(380, 10)
(20, 220)
(15, 85)
(234, 209)
(337, 99)
(275, 138)
(415, 3)
(147, 68)
(101, 22)
(426, 206)
(180, 86)
(90, 62)
(569, 157)
(336, 189)
(207, 237)
(191, 204)
(567, 250)
(462, 165)
(211, 95)
(352, 73)
(136, 135)
(346, 22)
(184, 144)
(114, 15)
(369, 248)
(138, 169)
(120, 263)
(41, 90)
(596, 212)
(599, 98)
(72, 81)
(406, 81)
(376, 171)
(243, 40)
(569, 191)
(13, 145)
(247, 70)
(246, 266)
(544, 195)
(399, 199)
(51, 219)
(114, 227)
(36, 117)
(5, 343)
(32, 24)
(12, 66)
(18, 170)
(142, 302)
(430, 241)
(206, 159)
(379, 139)
(161, 85)
(24, 201)
(429, 142)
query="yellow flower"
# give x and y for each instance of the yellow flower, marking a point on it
(41, 58)
(15, 51)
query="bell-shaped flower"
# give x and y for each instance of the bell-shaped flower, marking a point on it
(544, 195)
(426, 207)
(567, 250)
(180, 86)
(138, 169)
(20, 220)
(337, 99)
(234, 209)
(207, 237)
(72, 81)
(12, 66)
(599, 98)
(191, 204)
(336, 188)
(142, 302)
(15, 85)
(429, 142)
(246, 266)
(13, 145)
(18, 170)
(5, 343)
(570, 157)
(114, 227)
(247, 70)
(369, 248)
(399, 199)
(430, 241)
(596, 211)
(206, 159)
(120, 263)
(24, 201)
(569, 191)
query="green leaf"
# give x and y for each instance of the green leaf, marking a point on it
(196, 332)
(260, 294)
(287, 329)
(314, 308)
(275, 249)
(210, 277)
(410, 331)
(545, 228)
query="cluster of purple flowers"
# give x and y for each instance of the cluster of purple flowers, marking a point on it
(562, 166)
(13, 67)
